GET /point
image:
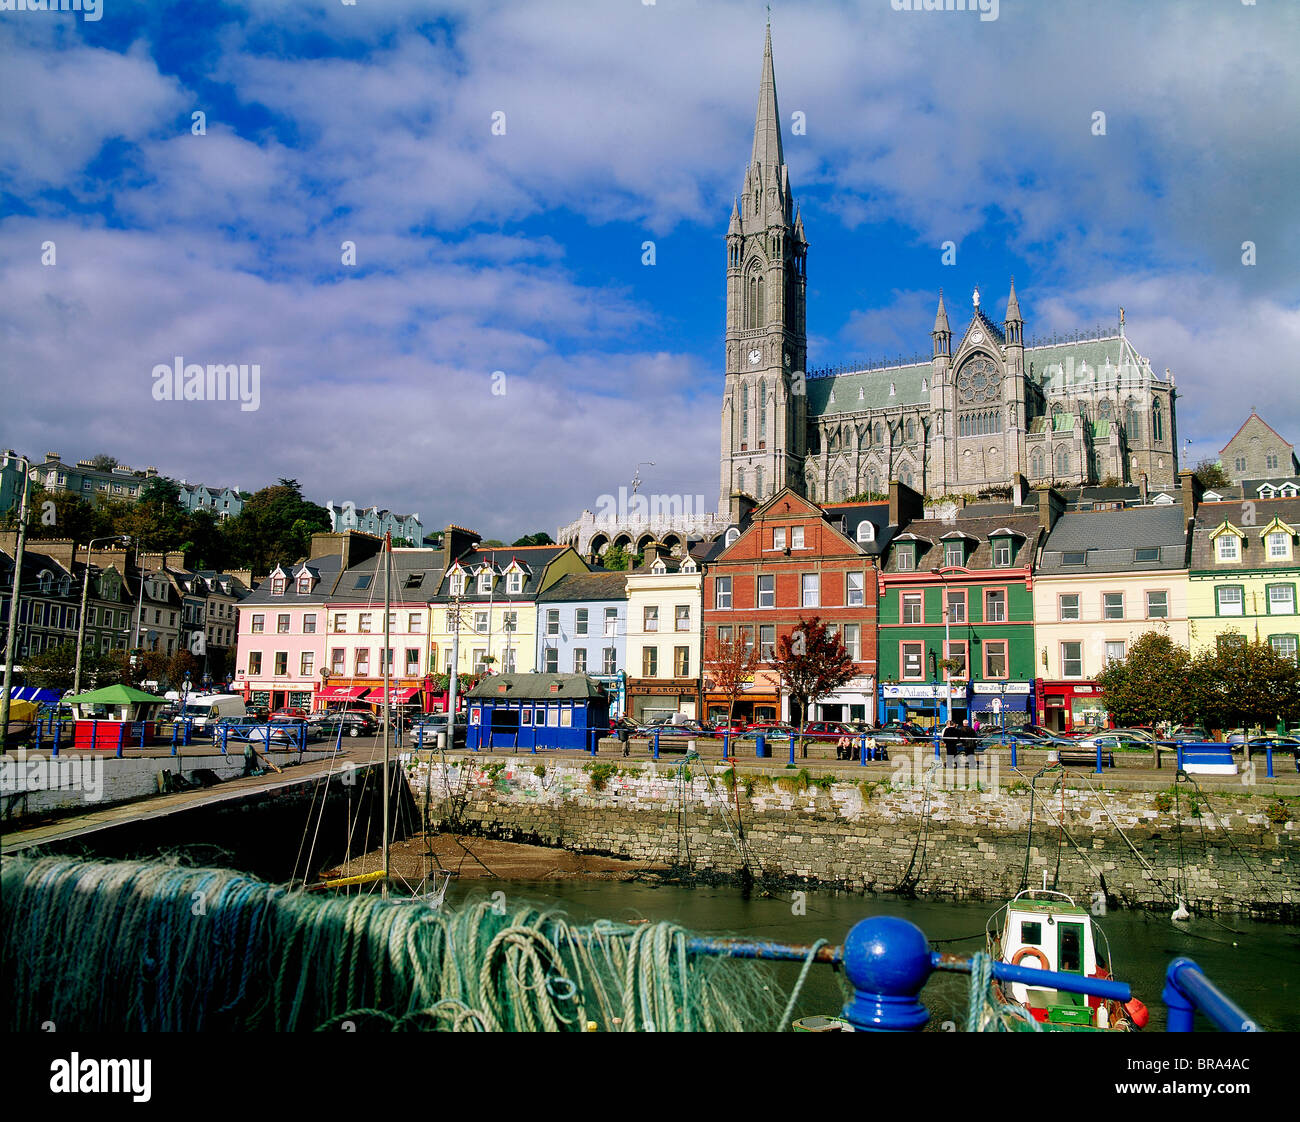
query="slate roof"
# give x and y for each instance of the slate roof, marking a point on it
(426, 563)
(1108, 539)
(588, 586)
(326, 568)
(854, 514)
(981, 557)
(1209, 516)
(873, 385)
(536, 557)
(537, 687)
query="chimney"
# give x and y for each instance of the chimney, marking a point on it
(351, 545)
(457, 540)
(1142, 488)
(1019, 489)
(1051, 505)
(905, 505)
(740, 507)
(1192, 491)
(62, 550)
(244, 576)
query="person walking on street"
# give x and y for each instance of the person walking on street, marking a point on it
(952, 742)
(968, 742)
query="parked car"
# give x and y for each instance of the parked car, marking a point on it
(1114, 740)
(770, 730)
(1269, 740)
(1190, 734)
(826, 730)
(351, 724)
(291, 712)
(234, 728)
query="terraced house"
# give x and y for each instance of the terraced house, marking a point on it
(956, 612)
(663, 635)
(1245, 566)
(1105, 578)
(582, 629)
(795, 560)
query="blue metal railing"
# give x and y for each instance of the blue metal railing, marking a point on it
(888, 960)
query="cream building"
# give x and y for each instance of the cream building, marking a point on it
(664, 644)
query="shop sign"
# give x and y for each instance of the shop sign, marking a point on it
(1002, 687)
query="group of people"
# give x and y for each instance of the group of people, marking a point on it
(960, 739)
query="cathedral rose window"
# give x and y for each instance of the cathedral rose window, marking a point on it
(978, 380)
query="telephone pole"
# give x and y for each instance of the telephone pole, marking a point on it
(12, 636)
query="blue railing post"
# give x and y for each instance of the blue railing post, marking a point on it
(792, 751)
(938, 741)
(862, 752)
(1013, 751)
(58, 728)
(1187, 989)
(1179, 752)
(760, 744)
(726, 742)
(656, 744)
(1098, 771)
(887, 961)
(1269, 750)
(175, 733)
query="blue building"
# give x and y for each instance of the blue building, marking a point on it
(582, 629)
(532, 711)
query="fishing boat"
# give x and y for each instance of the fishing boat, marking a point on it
(1046, 930)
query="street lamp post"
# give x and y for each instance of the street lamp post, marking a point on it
(85, 593)
(11, 637)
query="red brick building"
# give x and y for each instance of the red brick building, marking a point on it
(792, 561)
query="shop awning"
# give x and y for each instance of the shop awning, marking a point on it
(341, 693)
(31, 693)
(400, 695)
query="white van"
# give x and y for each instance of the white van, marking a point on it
(208, 709)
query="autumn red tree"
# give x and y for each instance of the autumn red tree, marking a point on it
(730, 665)
(812, 663)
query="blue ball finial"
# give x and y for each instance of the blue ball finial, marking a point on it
(887, 960)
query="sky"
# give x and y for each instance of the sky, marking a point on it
(494, 351)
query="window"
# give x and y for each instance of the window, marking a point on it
(722, 592)
(508, 661)
(1115, 652)
(90, 615)
(853, 641)
(1062, 462)
(907, 558)
(766, 642)
(259, 622)
(552, 621)
(254, 663)
(282, 625)
(579, 660)
(650, 662)
(526, 715)
(1068, 605)
(778, 538)
(1281, 599)
(995, 658)
(611, 622)
(1157, 605)
(854, 586)
(1277, 546)
(306, 664)
(361, 664)
(363, 623)
(580, 622)
(957, 650)
(767, 592)
(610, 662)
(414, 623)
(1285, 645)
(509, 622)
(650, 617)
(747, 637)
(341, 621)
(1112, 605)
(995, 606)
(811, 590)
(682, 617)
(1152, 554)
(515, 583)
(485, 581)
(336, 662)
(866, 529)
(1001, 553)
(1228, 549)
(954, 555)
(1229, 600)
(309, 624)
(1072, 660)
(1270, 460)
(911, 655)
(681, 662)
(452, 622)
(1074, 558)
(481, 620)
(796, 537)
(913, 607)
(1230, 641)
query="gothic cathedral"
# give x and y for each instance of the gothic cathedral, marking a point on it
(1083, 408)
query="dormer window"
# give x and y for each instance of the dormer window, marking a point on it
(65, 586)
(732, 536)
(46, 580)
(659, 568)
(1001, 553)
(458, 584)
(515, 583)
(1229, 548)
(866, 532)
(485, 582)
(689, 566)
(907, 558)
(277, 585)
(954, 555)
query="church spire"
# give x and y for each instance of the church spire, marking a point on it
(1013, 305)
(1013, 328)
(767, 125)
(941, 334)
(941, 316)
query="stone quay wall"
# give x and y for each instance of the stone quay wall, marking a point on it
(938, 833)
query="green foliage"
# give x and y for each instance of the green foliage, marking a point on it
(600, 774)
(812, 663)
(541, 537)
(1210, 474)
(618, 558)
(1277, 813)
(1164, 801)
(540, 771)
(1245, 684)
(1150, 685)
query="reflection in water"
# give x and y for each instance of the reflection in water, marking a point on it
(1256, 964)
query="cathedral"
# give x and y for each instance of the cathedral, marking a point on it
(986, 406)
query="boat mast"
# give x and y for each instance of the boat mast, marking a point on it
(388, 545)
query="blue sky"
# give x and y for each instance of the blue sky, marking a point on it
(522, 253)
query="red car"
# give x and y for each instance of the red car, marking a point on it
(291, 713)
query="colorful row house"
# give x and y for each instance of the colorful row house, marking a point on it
(582, 629)
(663, 636)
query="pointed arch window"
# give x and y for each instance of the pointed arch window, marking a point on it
(744, 412)
(762, 409)
(740, 480)
(1157, 422)
(1133, 425)
(754, 295)
(758, 483)
(1062, 461)
(1036, 462)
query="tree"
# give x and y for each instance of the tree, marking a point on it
(276, 524)
(53, 668)
(812, 663)
(1210, 474)
(103, 462)
(1149, 685)
(1245, 684)
(541, 537)
(60, 514)
(730, 663)
(618, 558)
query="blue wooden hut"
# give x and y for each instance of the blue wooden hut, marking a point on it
(533, 711)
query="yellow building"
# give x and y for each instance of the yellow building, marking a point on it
(664, 629)
(1104, 579)
(1245, 566)
(493, 592)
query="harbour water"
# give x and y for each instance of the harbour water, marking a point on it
(1257, 964)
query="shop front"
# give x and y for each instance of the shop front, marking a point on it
(924, 705)
(760, 700)
(651, 698)
(616, 689)
(854, 701)
(1002, 704)
(1067, 706)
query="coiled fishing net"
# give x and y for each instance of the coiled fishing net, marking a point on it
(148, 946)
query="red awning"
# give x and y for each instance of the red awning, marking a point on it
(341, 693)
(400, 695)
